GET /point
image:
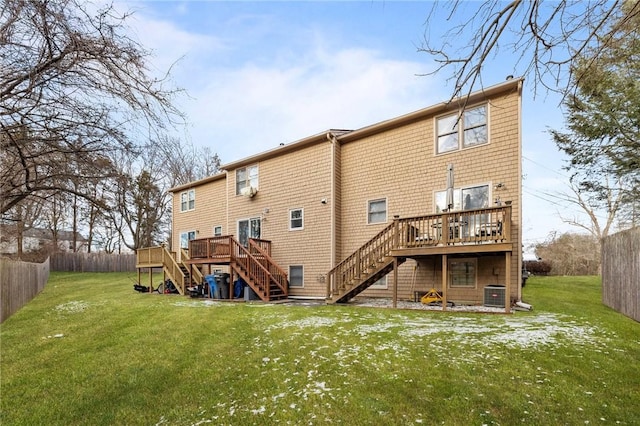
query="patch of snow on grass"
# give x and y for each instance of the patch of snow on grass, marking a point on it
(514, 332)
(72, 307)
(206, 303)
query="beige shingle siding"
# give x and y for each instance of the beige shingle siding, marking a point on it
(300, 179)
(395, 160)
(210, 210)
(402, 166)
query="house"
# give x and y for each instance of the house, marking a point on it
(430, 199)
(38, 239)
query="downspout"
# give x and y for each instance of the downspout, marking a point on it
(334, 143)
(226, 201)
(520, 246)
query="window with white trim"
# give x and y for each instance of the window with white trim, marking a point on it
(377, 211)
(246, 177)
(296, 276)
(296, 219)
(185, 237)
(457, 131)
(217, 231)
(463, 273)
(188, 200)
(381, 283)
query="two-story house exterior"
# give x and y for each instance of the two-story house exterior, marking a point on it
(320, 201)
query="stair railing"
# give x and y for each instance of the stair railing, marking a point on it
(278, 275)
(353, 268)
(196, 273)
(249, 265)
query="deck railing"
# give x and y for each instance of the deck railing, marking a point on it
(478, 226)
(211, 248)
(255, 261)
(261, 251)
(488, 225)
(160, 256)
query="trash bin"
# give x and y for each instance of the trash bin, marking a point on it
(249, 294)
(214, 290)
(222, 279)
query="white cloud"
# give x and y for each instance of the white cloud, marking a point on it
(258, 107)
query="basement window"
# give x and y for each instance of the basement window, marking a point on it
(463, 273)
(296, 276)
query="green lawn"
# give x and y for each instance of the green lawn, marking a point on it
(91, 351)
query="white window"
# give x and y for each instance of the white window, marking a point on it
(462, 273)
(296, 276)
(381, 283)
(248, 228)
(246, 177)
(458, 131)
(377, 211)
(188, 200)
(217, 231)
(296, 219)
(185, 237)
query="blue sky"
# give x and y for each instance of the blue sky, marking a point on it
(263, 73)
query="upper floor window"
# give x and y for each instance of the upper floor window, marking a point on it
(188, 200)
(245, 177)
(296, 219)
(377, 211)
(462, 131)
(217, 231)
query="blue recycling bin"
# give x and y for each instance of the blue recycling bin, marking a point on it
(214, 291)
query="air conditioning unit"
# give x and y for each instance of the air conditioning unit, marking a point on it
(495, 296)
(248, 191)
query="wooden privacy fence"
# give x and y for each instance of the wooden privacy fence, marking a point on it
(621, 272)
(19, 283)
(93, 262)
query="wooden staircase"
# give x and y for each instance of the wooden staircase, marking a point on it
(252, 263)
(486, 230)
(177, 271)
(364, 267)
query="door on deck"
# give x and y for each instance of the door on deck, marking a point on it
(248, 228)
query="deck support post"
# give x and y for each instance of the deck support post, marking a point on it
(507, 297)
(444, 282)
(395, 282)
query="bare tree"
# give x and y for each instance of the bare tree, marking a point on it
(542, 39)
(571, 254)
(184, 163)
(608, 200)
(73, 88)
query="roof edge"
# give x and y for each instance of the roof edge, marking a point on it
(198, 182)
(282, 149)
(506, 86)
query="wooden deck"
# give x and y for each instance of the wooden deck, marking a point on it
(472, 232)
(252, 263)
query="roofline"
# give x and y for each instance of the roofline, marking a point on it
(453, 104)
(274, 152)
(199, 182)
